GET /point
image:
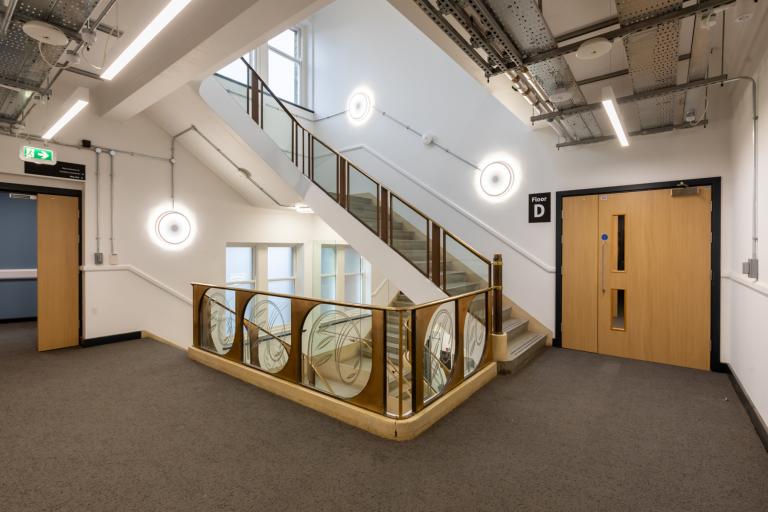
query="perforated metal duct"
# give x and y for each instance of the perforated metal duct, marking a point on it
(20, 61)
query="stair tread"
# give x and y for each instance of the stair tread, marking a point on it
(522, 343)
(512, 324)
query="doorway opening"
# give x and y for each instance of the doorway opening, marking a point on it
(638, 272)
(40, 259)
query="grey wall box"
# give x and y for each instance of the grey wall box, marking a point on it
(18, 250)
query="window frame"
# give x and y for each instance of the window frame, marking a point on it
(300, 97)
(294, 257)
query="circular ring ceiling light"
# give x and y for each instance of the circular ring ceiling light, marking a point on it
(594, 48)
(173, 228)
(359, 106)
(496, 179)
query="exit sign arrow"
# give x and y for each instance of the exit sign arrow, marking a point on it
(37, 155)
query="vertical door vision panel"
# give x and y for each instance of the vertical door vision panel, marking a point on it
(654, 283)
(58, 273)
(579, 273)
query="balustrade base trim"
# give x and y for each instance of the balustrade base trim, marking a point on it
(382, 426)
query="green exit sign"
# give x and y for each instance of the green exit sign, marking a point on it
(37, 155)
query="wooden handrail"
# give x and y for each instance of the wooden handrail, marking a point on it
(429, 220)
(343, 304)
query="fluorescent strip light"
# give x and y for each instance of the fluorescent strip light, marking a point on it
(76, 102)
(609, 104)
(148, 34)
(302, 208)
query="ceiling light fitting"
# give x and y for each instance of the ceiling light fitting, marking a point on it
(76, 102)
(145, 37)
(611, 109)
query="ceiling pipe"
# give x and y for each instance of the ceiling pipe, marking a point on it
(653, 93)
(645, 24)
(8, 16)
(241, 170)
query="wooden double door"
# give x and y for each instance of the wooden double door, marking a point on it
(636, 275)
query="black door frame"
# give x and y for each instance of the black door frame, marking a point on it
(714, 358)
(36, 189)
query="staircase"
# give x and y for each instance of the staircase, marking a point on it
(439, 256)
(523, 345)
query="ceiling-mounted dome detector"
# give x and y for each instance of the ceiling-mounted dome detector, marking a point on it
(45, 33)
(594, 48)
(561, 96)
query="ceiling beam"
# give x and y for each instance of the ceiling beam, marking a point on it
(649, 131)
(600, 25)
(83, 72)
(455, 36)
(20, 85)
(703, 6)
(653, 93)
(107, 29)
(621, 72)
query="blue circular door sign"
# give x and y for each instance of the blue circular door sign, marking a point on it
(604, 237)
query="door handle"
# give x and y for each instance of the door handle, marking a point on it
(602, 266)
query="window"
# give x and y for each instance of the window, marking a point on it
(357, 277)
(240, 267)
(281, 277)
(328, 272)
(236, 70)
(285, 65)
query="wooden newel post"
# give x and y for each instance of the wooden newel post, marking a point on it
(497, 293)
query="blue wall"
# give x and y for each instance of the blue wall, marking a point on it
(18, 249)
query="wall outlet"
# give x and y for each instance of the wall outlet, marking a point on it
(98, 258)
(114, 259)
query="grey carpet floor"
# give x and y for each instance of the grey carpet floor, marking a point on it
(137, 426)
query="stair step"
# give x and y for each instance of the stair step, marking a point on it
(514, 327)
(521, 350)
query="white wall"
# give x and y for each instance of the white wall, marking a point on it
(746, 301)
(368, 42)
(120, 301)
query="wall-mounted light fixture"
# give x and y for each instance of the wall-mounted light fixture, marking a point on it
(173, 227)
(496, 180)
(611, 109)
(76, 102)
(360, 106)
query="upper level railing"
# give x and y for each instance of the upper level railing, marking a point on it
(440, 255)
(388, 360)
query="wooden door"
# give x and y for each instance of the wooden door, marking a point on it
(580, 258)
(652, 287)
(58, 273)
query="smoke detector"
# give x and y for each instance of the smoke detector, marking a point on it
(560, 96)
(45, 33)
(594, 48)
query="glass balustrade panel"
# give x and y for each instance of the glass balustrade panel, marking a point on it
(464, 270)
(363, 199)
(409, 231)
(325, 166)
